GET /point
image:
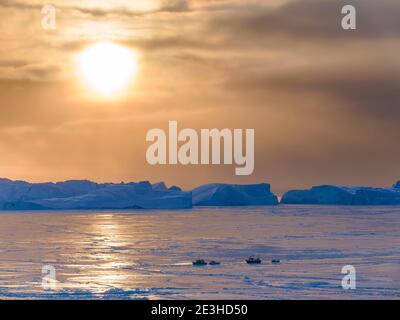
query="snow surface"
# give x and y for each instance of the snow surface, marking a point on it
(218, 194)
(343, 195)
(148, 254)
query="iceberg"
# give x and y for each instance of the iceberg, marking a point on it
(84, 194)
(344, 195)
(218, 194)
(23, 191)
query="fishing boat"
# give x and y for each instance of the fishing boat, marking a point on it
(253, 260)
(199, 262)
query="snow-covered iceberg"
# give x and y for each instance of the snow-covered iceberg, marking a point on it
(83, 194)
(218, 194)
(344, 195)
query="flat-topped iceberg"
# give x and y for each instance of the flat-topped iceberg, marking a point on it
(343, 195)
(83, 194)
(218, 194)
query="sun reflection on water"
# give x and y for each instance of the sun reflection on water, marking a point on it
(106, 249)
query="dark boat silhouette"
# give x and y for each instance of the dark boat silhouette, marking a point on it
(214, 263)
(199, 262)
(253, 260)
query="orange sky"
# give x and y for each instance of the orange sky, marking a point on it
(324, 102)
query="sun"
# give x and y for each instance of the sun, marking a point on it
(107, 68)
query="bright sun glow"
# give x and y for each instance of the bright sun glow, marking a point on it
(107, 68)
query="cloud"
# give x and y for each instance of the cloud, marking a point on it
(165, 6)
(234, 25)
(301, 20)
(170, 6)
(174, 5)
(363, 89)
(19, 5)
(13, 63)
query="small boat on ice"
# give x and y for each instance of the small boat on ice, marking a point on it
(215, 263)
(199, 262)
(276, 261)
(253, 260)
